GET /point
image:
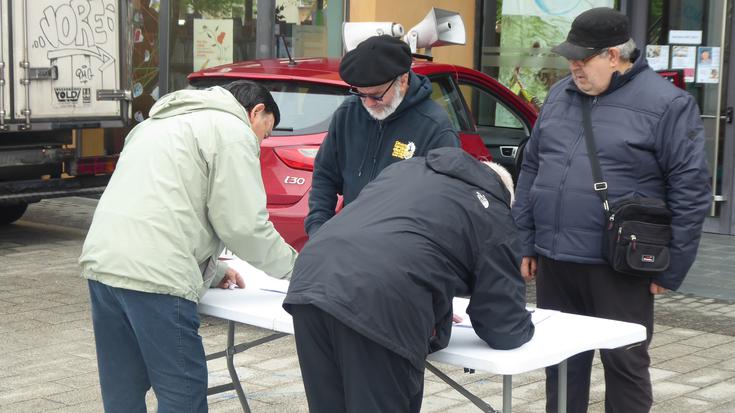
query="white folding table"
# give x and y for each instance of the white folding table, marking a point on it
(558, 336)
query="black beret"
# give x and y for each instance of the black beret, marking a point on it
(375, 61)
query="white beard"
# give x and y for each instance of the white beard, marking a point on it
(380, 114)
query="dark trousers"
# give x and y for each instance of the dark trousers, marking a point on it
(599, 291)
(344, 371)
(146, 340)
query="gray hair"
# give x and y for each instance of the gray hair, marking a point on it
(626, 50)
(504, 176)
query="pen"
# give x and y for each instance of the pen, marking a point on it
(272, 291)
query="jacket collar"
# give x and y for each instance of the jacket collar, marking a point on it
(458, 164)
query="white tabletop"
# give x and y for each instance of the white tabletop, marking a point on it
(558, 335)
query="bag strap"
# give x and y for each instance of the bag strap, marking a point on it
(600, 185)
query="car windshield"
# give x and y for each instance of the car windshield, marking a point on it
(306, 108)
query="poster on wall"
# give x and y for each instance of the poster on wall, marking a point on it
(684, 57)
(657, 56)
(212, 42)
(708, 64)
(545, 8)
(528, 30)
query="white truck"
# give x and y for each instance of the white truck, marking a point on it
(65, 69)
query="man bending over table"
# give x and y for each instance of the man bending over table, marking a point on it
(371, 292)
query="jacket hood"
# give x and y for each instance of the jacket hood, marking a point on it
(458, 164)
(192, 100)
(419, 89)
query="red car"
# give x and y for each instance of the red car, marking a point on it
(490, 120)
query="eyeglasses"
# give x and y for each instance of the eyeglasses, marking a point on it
(377, 98)
(590, 57)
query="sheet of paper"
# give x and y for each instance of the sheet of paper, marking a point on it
(254, 278)
(537, 316)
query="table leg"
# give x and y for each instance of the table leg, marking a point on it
(229, 355)
(464, 392)
(231, 367)
(562, 387)
(507, 393)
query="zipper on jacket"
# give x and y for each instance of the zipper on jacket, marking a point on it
(561, 187)
(367, 151)
(377, 149)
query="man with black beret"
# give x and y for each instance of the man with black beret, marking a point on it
(391, 117)
(650, 143)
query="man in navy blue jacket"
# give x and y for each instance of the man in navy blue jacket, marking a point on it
(391, 118)
(371, 292)
(650, 143)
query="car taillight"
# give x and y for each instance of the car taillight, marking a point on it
(96, 165)
(298, 157)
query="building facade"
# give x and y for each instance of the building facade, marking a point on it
(508, 39)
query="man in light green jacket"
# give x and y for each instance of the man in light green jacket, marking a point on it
(187, 184)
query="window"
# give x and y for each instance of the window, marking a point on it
(487, 111)
(444, 93)
(306, 108)
(502, 130)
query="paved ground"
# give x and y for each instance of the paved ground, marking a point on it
(48, 358)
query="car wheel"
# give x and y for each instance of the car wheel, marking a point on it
(11, 213)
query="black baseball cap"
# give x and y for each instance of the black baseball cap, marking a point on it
(593, 31)
(375, 61)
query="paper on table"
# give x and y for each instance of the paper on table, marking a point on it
(255, 278)
(537, 316)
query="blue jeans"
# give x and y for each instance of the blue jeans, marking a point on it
(146, 340)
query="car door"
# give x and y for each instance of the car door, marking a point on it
(446, 94)
(502, 119)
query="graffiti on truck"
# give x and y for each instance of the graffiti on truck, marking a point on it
(79, 37)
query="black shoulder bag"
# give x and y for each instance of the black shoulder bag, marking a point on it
(638, 231)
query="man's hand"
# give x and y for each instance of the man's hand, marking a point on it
(232, 279)
(528, 268)
(456, 318)
(657, 289)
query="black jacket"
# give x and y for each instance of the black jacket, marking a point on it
(358, 147)
(425, 230)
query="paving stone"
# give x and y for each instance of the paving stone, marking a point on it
(704, 377)
(665, 390)
(658, 374)
(708, 340)
(76, 396)
(682, 404)
(437, 404)
(31, 392)
(685, 364)
(35, 405)
(719, 392)
(727, 407)
(279, 364)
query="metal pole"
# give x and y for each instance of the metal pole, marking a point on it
(638, 13)
(507, 393)
(265, 30)
(561, 398)
(164, 48)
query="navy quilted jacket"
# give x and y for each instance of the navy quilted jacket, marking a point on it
(650, 141)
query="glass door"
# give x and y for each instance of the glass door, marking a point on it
(697, 36)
